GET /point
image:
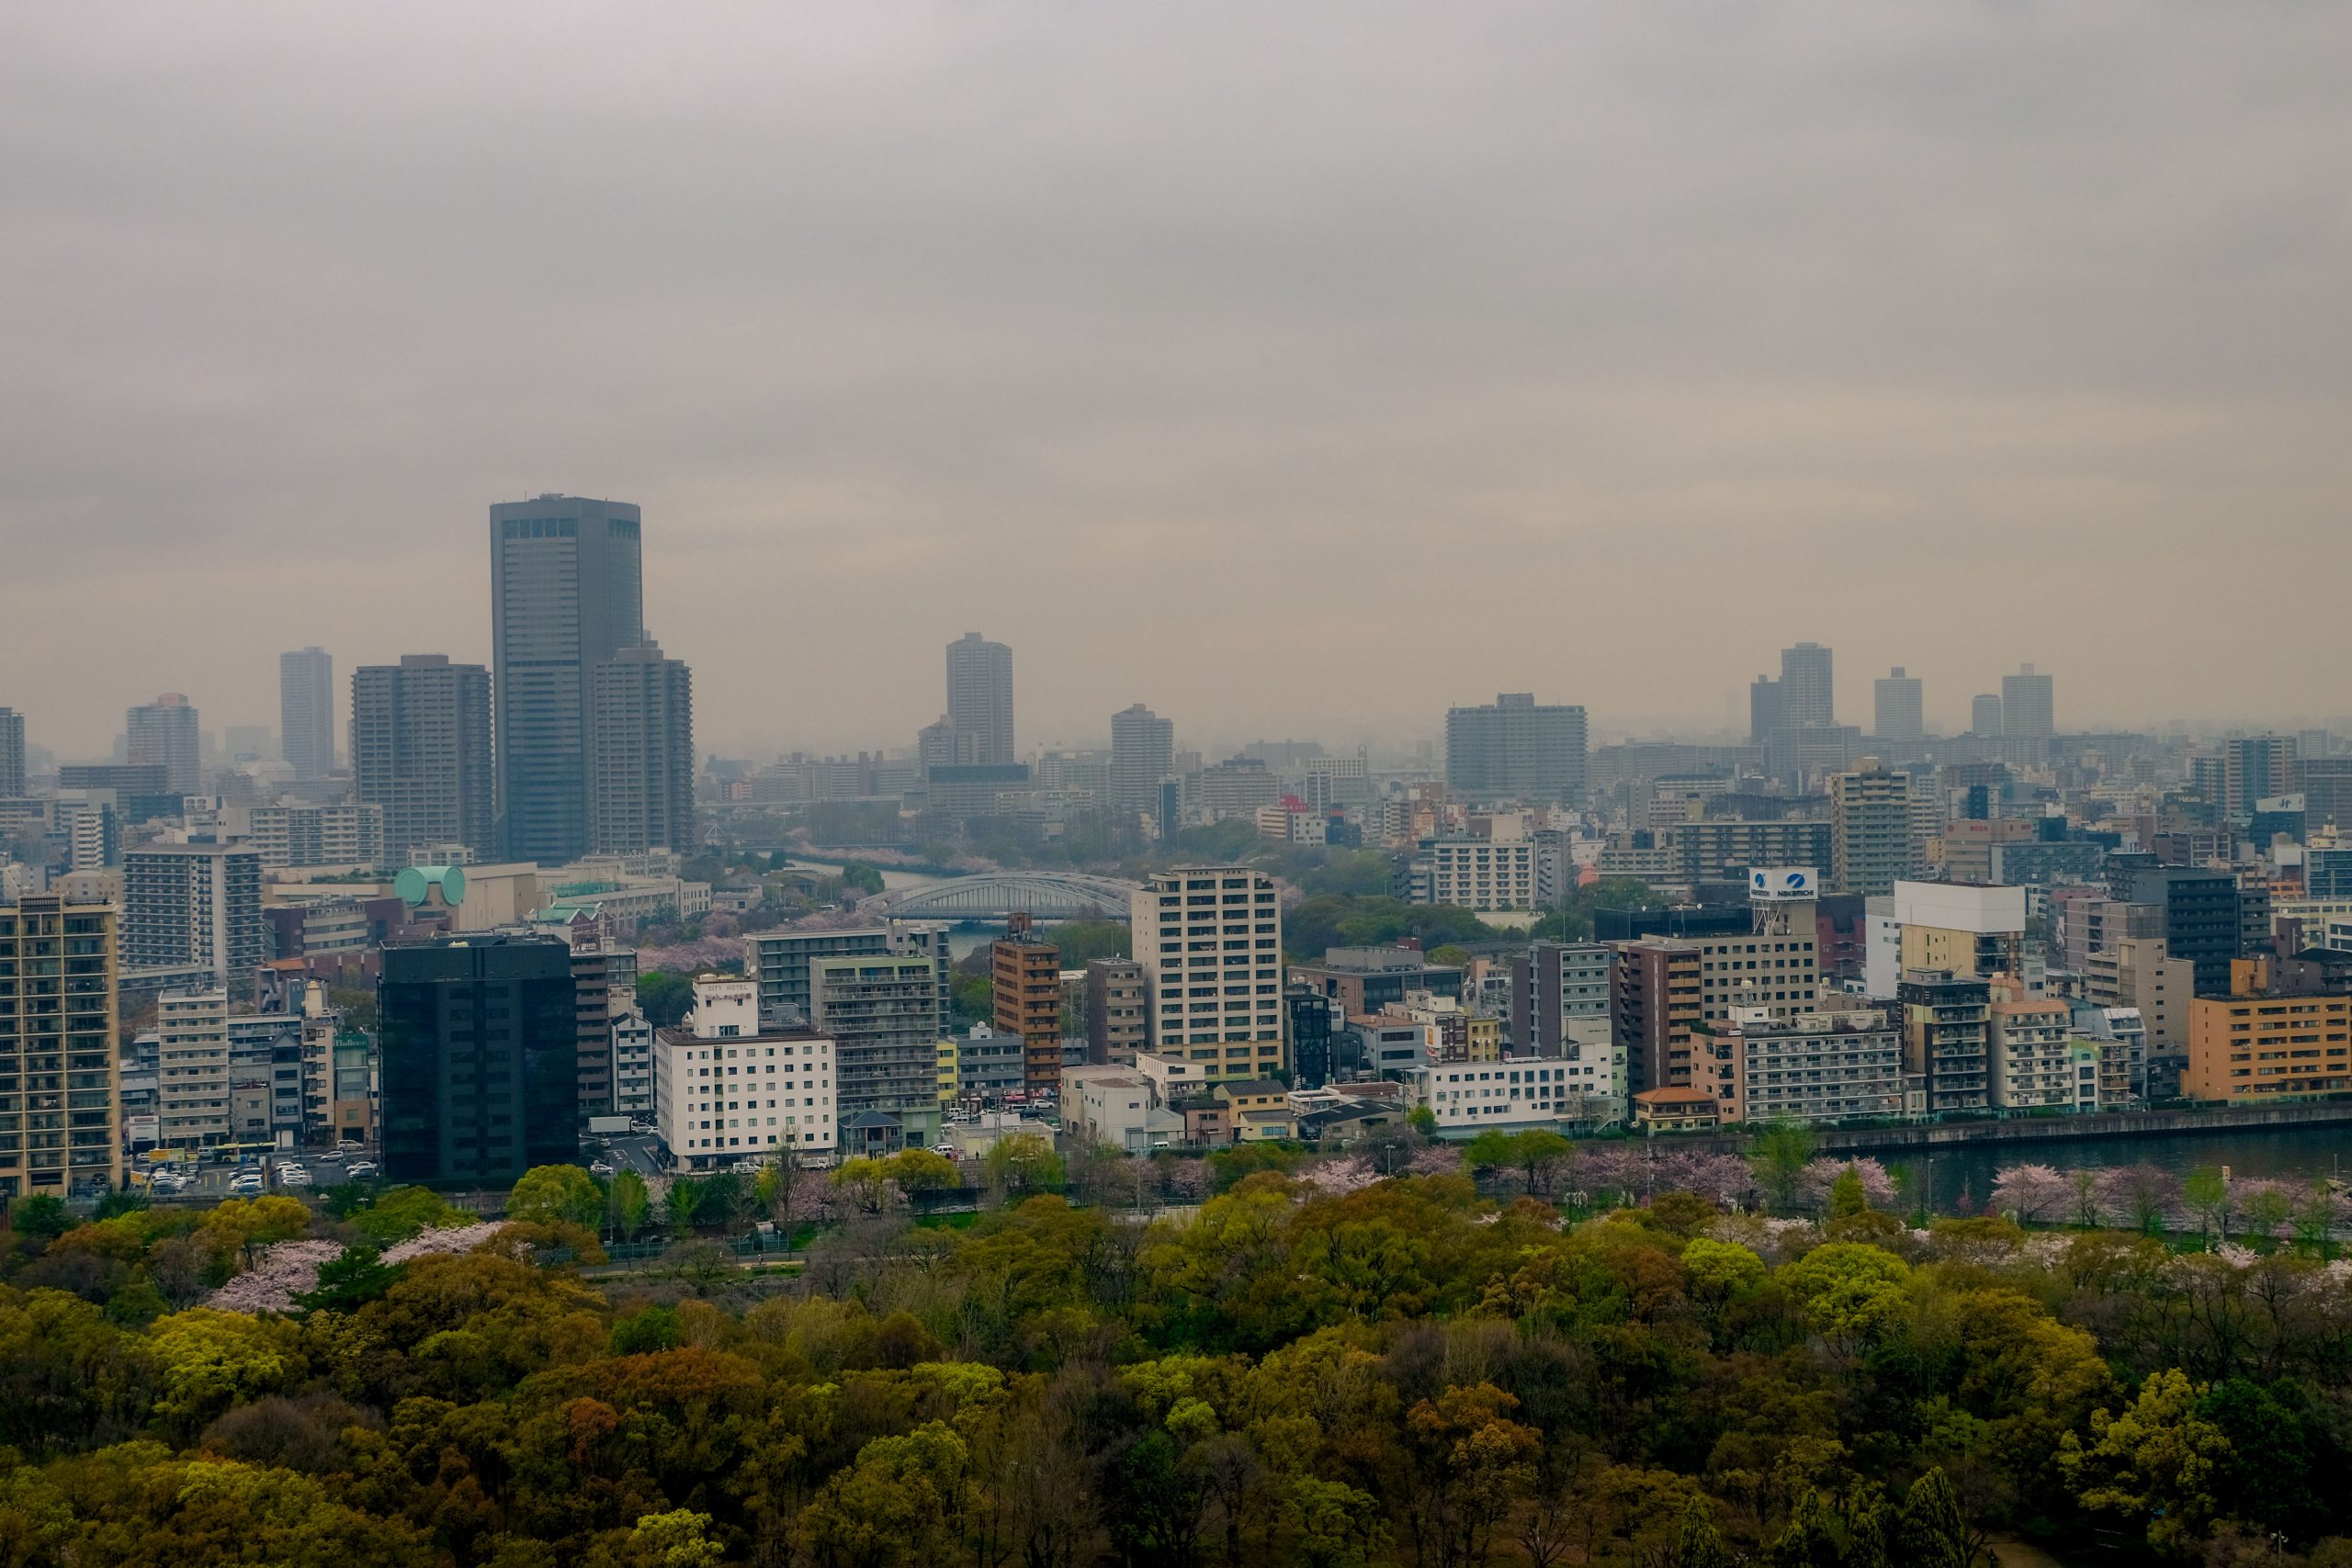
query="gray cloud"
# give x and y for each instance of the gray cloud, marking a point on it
(1295, 369)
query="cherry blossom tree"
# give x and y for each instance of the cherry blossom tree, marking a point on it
(2031, 1193)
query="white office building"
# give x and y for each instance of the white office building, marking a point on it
(1470, 1097)
(725, 1092)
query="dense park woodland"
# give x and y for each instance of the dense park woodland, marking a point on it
(1316, 1365)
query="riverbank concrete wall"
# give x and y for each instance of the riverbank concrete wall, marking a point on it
(2056, 1129)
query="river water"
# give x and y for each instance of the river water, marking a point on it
(2291, 1154)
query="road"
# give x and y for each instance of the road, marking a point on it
(634, 1153)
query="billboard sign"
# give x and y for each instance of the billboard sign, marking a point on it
(1773, 884)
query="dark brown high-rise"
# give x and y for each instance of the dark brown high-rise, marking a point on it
(1028, 974)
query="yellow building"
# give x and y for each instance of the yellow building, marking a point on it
(2256, 1046)
(58, 1056)
(948, 1072)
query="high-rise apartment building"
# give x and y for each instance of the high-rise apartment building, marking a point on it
(1209, 940)
(1143, 752)
(2254, 767)
(194, 906)
(567, 593)
(1870, 828)
(12, 753)
(1808, 686)
(165, 733)
(1117, 1007)
(306, 711)
(346, 832)
(604, 990)
(2259, 1042)
(980, 700)
(480, 1070)
(1515, 749)
(640, 754)
(2201, 918)
(1654, 988)
(420, 748)
(882, 1011)
(59, 1067)
(1944, 1044)
(1899, 714)
(2027, 709)
(192, 1068)
(1985, 715)
(1028, 974)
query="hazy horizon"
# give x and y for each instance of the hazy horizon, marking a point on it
(1296, 371)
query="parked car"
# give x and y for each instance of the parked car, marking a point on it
(293, 1176)
(333, 1156)
(600, 1168)
(360, 1169)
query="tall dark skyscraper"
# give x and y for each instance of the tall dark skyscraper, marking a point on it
(980, 700)
(306, 711)
(480, 1059)
(567, 593)
(420, 748)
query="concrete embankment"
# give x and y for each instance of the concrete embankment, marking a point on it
(2060, 1129)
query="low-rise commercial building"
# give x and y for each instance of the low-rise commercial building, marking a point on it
(725, 1090)
(1814, 1069)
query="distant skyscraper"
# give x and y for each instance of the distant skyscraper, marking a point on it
(1807, 686)
(1516, 749)
(164, 732)
(2255, 766)
(12, 753)
(567, 593)
(1143, 748)
(480, 1059)
(2027, 708)
(641, 754)
(306, 711)
(979, 699)
(1767, 710)
(1985, 715)
(1900, 714)
(420, 748)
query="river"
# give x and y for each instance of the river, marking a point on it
(2293, 1155)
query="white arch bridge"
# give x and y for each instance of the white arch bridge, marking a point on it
(991, 895)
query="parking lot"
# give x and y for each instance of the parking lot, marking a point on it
(292, 1170)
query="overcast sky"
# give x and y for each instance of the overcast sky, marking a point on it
(1296, 369)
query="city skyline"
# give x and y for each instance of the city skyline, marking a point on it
(1943, 399)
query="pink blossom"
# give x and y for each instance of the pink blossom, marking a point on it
(1821, 1175)
(2031, 1192)
(279, 1273)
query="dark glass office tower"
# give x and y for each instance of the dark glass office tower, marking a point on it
(479, 1061)
(567, 593)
